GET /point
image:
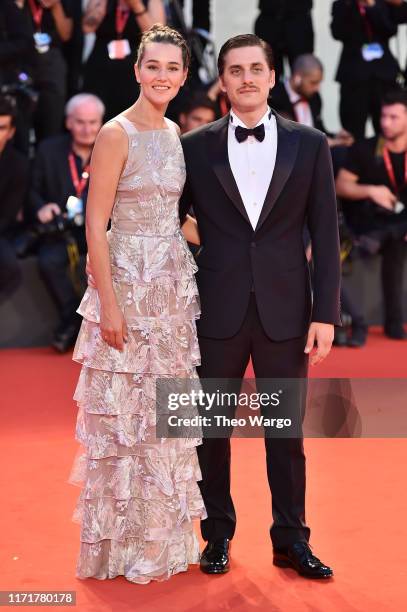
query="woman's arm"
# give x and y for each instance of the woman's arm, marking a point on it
(63, 23)
(155, 13)
(108, 159)
(190, 230)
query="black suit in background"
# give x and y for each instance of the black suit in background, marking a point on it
(287, 27)
(270, 322)
(52, 182)
(280, 101)
(363, 83)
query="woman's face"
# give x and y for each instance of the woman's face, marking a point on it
(161, 73)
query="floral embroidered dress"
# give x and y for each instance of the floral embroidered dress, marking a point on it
(139, 493)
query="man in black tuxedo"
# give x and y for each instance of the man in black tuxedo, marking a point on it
(254, 179)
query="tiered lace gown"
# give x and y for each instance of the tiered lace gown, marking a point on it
(139, 493)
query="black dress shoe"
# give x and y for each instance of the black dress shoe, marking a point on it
(358, 336)
(299, 557)
(64, 340)
(340, 337)
(395, 332)
(215, 557)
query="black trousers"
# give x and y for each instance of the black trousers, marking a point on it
(393, 259)
(53, 263)
(228, 358)
(10, 271)
(361, 100)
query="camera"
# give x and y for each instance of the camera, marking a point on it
(21, 89)
(60, 225)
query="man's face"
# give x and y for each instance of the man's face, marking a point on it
(196, 118)
(6, 130)
(247, 78)
(84, 123)
(394, 121)
(308, 84)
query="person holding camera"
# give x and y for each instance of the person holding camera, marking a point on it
(13, 189)
(58, 199)
(373, 183)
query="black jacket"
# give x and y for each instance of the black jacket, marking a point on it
(349, 27)
(280, 101)
(235, 257)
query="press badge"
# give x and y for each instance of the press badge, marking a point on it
(42, 42)
(118, 49)
(74, 207)
(372, 51)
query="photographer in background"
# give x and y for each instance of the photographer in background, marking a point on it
(373, 183)
(58, 199)
(16, 48)
(13, 189)
(51, 26)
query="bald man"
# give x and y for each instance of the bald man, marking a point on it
(298, 98)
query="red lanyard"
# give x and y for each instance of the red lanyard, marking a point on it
(362, 11)
(78, 184)
(390, 170)
(37, 13)
(122, 17)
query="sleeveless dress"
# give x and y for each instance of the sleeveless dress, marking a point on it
(139, 493)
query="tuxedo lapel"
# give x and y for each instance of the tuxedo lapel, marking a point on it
(287, 147)
(217, 146)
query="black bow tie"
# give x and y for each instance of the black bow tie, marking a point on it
(242, 133)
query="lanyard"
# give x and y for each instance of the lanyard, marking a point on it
(37, 13)
(390, 170)
(78, 184)
(122, 17)
(362, 11)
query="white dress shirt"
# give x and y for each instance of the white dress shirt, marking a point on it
(302, 109)
(252, 163)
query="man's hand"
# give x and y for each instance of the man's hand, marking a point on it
(322, 334)
(381, 195)
(47, 212)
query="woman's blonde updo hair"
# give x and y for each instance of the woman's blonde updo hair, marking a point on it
(159, 33)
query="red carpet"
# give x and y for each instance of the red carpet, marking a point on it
(356, 505)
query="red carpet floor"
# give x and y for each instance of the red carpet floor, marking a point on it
(356, 505)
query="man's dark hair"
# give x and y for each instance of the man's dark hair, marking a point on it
(7, 108)
(244, 40)
(397, 96)
(198, 100)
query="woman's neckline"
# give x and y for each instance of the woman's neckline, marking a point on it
(166, 129)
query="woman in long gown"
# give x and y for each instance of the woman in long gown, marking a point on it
(140, 493)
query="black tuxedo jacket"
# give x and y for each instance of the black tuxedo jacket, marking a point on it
(281, 102)
(271, 258)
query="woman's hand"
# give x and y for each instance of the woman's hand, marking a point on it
(113, 327)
